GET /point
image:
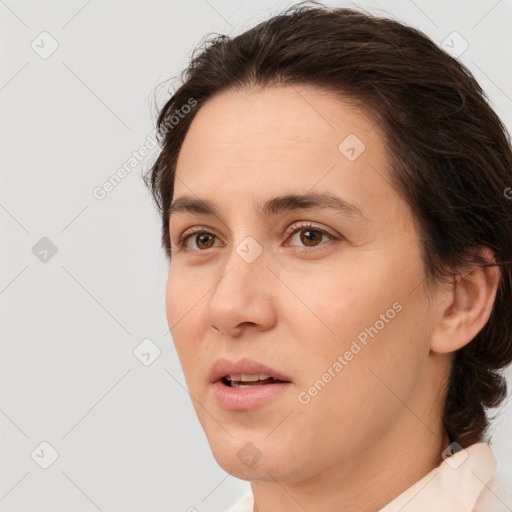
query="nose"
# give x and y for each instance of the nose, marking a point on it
(243, 297)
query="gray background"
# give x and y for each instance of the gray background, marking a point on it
(126, 434)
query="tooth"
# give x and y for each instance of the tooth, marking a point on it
(242, 385)
(249, 378)
(244, 377)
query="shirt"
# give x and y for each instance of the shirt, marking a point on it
(463, 482)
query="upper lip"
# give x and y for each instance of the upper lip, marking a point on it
(223, 367)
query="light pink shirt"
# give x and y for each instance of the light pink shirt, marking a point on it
(463, 482)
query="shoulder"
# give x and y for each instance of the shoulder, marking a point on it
(496, 496)
(244, 504)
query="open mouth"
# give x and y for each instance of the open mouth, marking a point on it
(249, 381)
(246, 385)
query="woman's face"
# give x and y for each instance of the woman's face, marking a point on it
(327, 296)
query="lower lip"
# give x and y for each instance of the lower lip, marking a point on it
(244, 399)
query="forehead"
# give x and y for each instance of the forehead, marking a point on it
(290, 138)
(283, 122)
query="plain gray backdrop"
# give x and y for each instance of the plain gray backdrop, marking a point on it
(90, 419)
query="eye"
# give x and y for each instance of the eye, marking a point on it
(308, 234)
(203, 240)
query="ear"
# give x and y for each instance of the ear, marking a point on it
(466, 305)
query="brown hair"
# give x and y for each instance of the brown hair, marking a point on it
(450, 153)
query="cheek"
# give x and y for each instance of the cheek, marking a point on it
(330, 307)
(185, 317)
(351, 403)
(177, 297)
(366, 316)
(185, 299)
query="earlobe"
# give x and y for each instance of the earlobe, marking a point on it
(466, 305)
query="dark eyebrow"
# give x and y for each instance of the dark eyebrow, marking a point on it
(192, 205)
(308, 201)
(271, 207)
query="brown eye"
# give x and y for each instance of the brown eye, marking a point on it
(311, 237)
(308, 235)
(204, 240)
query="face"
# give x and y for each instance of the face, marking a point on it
(322, 290)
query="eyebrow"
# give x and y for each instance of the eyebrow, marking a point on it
(271, 207)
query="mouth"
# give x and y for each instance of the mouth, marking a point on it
(246, 384)
(245, 372)
(249, 381)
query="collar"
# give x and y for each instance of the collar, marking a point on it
(454, 486)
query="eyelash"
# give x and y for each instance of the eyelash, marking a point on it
(303, 226)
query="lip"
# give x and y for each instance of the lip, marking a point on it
(244, 399)
(223, 367)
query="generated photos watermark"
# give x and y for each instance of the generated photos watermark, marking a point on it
(357, 345)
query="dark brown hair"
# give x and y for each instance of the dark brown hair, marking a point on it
(450, 154)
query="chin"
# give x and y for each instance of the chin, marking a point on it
(264, 461)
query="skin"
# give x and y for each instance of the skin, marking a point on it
(376, 427)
